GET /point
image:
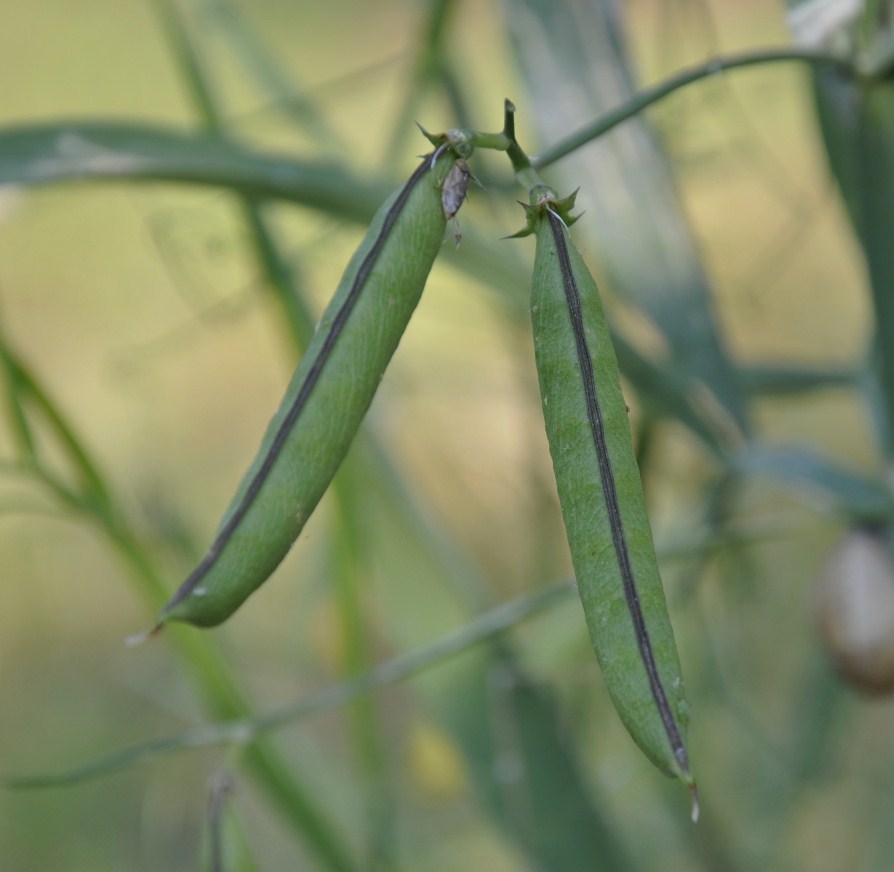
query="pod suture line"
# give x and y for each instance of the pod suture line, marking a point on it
(597, 429)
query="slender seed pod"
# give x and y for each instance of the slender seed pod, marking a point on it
(325, 401)
(601, 495)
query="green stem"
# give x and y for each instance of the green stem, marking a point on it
(525, 173)
(351, 589)
(21, 429)
(659, 91)
(294, 102)
(427, 70)
(492, 141)
(222, 698)
(246, 731)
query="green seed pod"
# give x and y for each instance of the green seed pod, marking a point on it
(601, 495)
(325, 401)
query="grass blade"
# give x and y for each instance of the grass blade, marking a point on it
(246, 731)
(87, 150)
(259, 64)
(636, 224)
(856, 496)
(857, 122)
(222, 698)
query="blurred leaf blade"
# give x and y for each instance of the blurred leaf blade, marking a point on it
(643, 99)
(86, 150)
(667, 393)
(495, 713)
(95, 151)
(429, 68)
(22, 433)
(774, 380)
(856, 118)
(363, 715)
(221, 695)
(480, 629)
(292, 102)
(638, 228)
(524, 766)
(850, 492)
(350, 560)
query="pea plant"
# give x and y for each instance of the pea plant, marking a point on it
(502, 714)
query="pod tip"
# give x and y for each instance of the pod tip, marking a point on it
(136, 639)
(696, 808)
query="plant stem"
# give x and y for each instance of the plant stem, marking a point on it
(681, 79)
(247, 730)
(525, 173)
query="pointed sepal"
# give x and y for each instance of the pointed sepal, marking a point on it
(532, 216)
(545, 198)
(562, 206)
(436, 139)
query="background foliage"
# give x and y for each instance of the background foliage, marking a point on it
(149, 329)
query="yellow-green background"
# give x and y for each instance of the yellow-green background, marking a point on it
(106, 290)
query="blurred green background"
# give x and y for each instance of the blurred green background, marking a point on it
(145, 313)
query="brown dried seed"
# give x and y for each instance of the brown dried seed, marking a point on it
(455, 188)
(854, 602)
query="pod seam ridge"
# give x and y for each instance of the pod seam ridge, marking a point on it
(606, 474)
